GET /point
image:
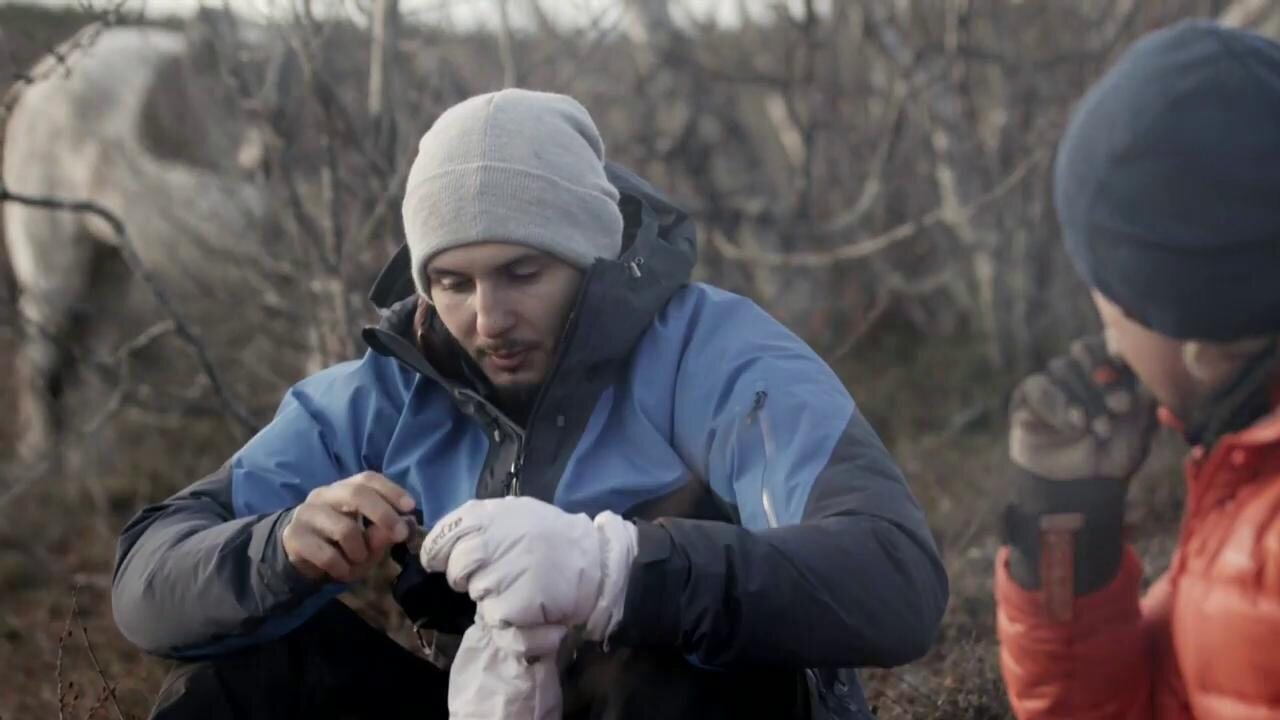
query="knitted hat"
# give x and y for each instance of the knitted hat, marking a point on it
(512, 166)
(1167, 183)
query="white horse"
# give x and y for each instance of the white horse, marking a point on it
(144, 123)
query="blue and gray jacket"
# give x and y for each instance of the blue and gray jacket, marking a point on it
(774, 529)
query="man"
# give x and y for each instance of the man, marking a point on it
(1166, 189)
(603, 452)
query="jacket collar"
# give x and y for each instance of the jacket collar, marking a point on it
(1250, 432)
(1236, 407)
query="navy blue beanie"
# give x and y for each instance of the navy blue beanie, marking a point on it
(1167, 183)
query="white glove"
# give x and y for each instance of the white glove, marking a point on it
(526, 563)
(506, 674)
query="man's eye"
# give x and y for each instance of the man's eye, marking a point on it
(525, 274)
(452, 285)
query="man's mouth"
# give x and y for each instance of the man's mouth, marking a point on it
(509, 360)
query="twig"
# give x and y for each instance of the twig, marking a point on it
(135, 263)
(57, 59)
(93, 656)
(872, 245)
(145, 338)
(111, 407)
(1245, 13)
(62, 643)
(872, 186)
(869, 320)
(98, 703)
(121, 357)
(394, 190)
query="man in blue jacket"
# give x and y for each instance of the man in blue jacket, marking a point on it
(594, 443)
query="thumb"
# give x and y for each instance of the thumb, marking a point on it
(446, 534)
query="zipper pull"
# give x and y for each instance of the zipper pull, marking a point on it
(513, 487)
(634, 267)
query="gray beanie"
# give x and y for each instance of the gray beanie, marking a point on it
(512, 166)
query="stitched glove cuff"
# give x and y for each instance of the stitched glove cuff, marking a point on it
(618, 544)
(1085, 518)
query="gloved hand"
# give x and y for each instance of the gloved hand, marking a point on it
(506, 674)
(1078, 431)
(1085, 416)
(528, 563)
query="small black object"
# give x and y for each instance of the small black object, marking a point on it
(426, 597)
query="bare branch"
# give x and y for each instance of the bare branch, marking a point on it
(57, 60)
(62, 642)
(394, 191)
(506, 45)
(1246, 13)
(872, 245)
(108, 687)
(873, 184)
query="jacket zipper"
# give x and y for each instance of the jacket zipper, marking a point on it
(766, 437)
(570, 327)
(513, 477)
(499, 420)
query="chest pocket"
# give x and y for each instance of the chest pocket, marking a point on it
(742, 465)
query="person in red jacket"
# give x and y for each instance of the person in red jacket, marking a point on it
(1167, 187)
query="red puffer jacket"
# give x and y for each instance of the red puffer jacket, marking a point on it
(1203, 643)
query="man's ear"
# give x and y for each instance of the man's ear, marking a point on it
(1214, 364)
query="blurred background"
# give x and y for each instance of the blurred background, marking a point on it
(876, 174)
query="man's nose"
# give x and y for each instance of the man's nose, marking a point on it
(495, 315)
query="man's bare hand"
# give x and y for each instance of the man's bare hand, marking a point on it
(345, 529)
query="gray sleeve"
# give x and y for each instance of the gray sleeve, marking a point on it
(189, 575)
(204, 572)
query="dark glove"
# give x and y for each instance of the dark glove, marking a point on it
(440, 615)
(1078, 432)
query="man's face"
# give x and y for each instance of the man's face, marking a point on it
(1156, 359)
(506, 305)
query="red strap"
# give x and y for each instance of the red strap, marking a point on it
(1058, 562)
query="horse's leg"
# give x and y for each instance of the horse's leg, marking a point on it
(52, 258)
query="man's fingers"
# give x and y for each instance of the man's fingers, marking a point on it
(309, 570)
(379, 511)
(348, 526)
(315, 550)
(379, 540)
(361, 499)
(395, 495)
(340, 529)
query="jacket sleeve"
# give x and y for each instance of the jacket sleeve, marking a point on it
(832, 564)
(1098, 664)
(204, 572)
